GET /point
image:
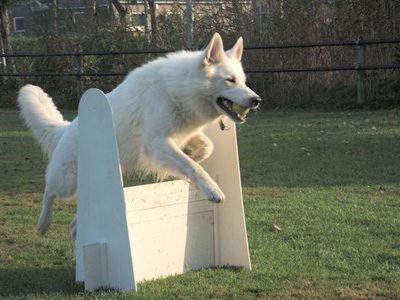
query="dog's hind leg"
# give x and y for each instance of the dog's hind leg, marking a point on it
(46, 213)
(199, 148)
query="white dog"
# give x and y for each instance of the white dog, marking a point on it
(159, 110)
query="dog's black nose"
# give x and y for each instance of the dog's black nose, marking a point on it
(255, 102)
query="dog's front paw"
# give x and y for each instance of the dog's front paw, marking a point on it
(210, 189)
(214, 194)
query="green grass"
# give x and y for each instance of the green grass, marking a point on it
(329, 181)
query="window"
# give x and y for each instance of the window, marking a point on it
(138, 19)
(78, 17)
(19, 24)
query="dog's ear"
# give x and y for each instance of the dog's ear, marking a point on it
(236, 51)
(214, 52)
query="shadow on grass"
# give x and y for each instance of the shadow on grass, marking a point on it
(34, 280)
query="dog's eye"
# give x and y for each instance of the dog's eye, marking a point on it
(231, 79)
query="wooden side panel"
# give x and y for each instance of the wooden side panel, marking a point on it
(230, 226)
(101, 216)
(171, 225)
(95, 266)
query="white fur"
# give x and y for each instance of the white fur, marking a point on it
(159, 112)
(40, 114)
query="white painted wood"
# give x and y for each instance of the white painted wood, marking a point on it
(172, 228)
(151, 230)
(230, 230)
(95, 266)
(101, 213)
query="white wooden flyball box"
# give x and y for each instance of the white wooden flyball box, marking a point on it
(127, 235)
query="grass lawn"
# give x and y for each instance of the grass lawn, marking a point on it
(322, 204)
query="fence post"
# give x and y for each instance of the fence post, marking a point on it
(79, 71)
(361, 75)
(3, 62)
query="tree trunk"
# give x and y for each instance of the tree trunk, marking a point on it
(5, 37)
(189, 24)
(53, 11)
(153, 20)
(3, 62)
(147, 24)
(256, 10)
(237, 10)
(122, 13)
(91, 8)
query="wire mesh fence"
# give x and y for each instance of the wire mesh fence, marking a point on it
(350, 69)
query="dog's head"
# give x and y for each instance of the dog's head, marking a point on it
(231, 95)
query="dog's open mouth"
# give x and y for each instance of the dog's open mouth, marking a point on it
(235, 111)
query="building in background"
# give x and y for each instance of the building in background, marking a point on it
(37, 16)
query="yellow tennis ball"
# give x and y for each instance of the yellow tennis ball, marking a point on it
(241, 110)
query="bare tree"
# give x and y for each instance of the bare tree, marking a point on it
(5, 36)
(153, 20)
(189, 24)
(256, 11)
(122, 13)
(54, 15)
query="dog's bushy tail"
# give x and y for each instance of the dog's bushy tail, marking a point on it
(41, 116)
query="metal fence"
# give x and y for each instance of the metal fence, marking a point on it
(359, 65)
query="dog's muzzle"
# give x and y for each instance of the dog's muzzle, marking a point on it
(255, 102)
(236, 112)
